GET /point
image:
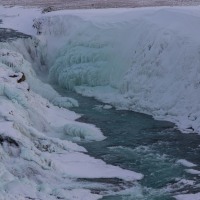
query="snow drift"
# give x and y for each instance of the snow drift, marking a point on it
(146, 60)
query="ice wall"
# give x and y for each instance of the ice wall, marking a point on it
(146, 60)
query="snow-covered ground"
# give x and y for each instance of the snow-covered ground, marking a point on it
(146, 60)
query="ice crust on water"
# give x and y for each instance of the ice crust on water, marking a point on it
(35, 163)
(186, 163)
(83, 131)
(188, 196)
(149, 58)
(193, 171)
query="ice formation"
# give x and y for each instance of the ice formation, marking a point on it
(186, 163)
(146, 61)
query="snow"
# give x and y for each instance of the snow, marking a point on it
(193, 171)
(107, 107)
(186, 163)
(18, 18)
(146, 60)
(83, 131)
(188, 196)
(81, 166)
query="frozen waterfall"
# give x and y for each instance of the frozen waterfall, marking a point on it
(145, 60)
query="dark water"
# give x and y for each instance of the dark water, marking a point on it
(10, 34)
(138, 142)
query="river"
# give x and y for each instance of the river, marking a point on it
(137, 142)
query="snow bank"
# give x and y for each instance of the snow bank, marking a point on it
(149, 58)
(188, 196)
(83, 131)
(18, 18)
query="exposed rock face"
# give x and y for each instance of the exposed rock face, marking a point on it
(23, 78)
(48, 9)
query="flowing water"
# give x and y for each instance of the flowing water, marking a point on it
(138, 142)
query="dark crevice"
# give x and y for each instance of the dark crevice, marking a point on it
(8, 140)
